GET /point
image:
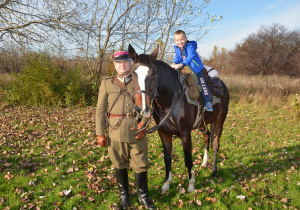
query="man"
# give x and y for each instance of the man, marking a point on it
(114, 113)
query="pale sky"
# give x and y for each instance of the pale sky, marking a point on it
(243, 17)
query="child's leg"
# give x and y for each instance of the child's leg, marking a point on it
(205, 92)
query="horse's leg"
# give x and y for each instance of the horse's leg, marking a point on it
(217, 134)
(206, 150)
(187, 148)
(166, 140)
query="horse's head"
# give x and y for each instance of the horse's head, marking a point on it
(144, 77)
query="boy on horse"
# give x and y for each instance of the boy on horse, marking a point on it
(186, 55)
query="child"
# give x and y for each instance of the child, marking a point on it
(185, 54)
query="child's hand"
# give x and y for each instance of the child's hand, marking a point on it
(173, 65)
(177, 66)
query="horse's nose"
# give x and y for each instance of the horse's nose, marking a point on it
(144, 112)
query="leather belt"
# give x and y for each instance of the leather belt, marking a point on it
(127, 115)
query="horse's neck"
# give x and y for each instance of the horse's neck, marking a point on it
(168, 88)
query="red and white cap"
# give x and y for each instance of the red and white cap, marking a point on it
(121, 55)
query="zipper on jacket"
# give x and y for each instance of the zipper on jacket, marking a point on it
(195, 62)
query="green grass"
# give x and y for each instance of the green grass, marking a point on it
(56, 150)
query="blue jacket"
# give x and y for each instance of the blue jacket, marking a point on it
(192, 58)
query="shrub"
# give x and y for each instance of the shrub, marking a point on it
(43, 82)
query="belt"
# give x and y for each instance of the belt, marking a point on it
(127, 115)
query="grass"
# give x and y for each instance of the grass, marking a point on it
(46, 151)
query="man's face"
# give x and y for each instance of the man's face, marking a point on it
(123, 67)
(180, 40)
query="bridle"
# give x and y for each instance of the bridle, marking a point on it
(154, 96)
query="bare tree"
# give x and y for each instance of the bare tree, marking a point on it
(163, 17)
(28, 22)
(272, 50)
(96, 29)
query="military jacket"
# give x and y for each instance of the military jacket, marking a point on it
(108, 92)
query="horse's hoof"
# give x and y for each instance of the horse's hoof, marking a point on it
(204, 165)
(191, 189)
(162, 191)
(214, 175)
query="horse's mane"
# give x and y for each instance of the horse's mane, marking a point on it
(167, 76)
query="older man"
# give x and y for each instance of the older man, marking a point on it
(114, 113)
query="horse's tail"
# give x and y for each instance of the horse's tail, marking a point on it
(225, 94)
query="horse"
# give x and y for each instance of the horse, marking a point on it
(159, 93)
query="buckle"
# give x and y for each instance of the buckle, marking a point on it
(129, 115)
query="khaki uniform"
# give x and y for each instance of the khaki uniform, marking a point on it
(122, 144)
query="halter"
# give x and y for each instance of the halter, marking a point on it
(153, 96)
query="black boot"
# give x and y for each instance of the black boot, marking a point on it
(142, 185)
(122, 180)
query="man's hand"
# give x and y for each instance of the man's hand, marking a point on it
(141, 134)
(101, 140)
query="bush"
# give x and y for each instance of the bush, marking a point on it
(43, 82)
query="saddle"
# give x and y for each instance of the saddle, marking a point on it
(194, 88)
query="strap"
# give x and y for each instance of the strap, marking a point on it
(123, 87)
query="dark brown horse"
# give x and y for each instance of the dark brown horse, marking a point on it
(159, 91)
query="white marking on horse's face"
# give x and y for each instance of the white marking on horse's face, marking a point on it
(142, 72)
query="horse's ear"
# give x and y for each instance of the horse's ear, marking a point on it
(133, 55)
(155, 52)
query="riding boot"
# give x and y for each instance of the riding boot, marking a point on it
(122, 180)
(142, 185)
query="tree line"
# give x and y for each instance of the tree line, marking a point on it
(271, 50)
(96, 28)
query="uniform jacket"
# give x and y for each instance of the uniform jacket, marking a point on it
(192, 58)
(108, 92)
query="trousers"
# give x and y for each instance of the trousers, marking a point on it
(204, 87)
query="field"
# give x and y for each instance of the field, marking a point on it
(49, 160)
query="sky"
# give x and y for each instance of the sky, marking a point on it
(244, 17)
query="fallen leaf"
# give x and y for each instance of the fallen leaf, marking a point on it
(181, 189)
(199, 203)
(284, 200)
(180, 203)
(69, 171)
(207, 198)
(213, 200)
(67, 192)
(225, 191)
(210, 190)
(8, 176)
(31, 183)
(56, 169)
(19, 190)
(241, 197)
(92, 199)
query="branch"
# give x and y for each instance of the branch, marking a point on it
(25, 25)
(4, 3)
